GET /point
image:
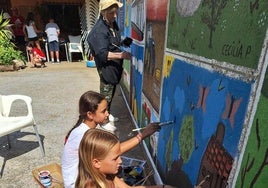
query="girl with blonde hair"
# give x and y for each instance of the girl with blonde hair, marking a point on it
(99, 162)
(92, 113)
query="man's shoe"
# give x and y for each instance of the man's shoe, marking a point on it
(112, 118)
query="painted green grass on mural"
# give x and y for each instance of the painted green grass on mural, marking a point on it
(237, 39)
(255, 153)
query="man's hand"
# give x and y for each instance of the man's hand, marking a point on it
(150, 129)
(126, 55)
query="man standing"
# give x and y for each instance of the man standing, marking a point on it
(18, 21)
(105, 41)
(52, 30)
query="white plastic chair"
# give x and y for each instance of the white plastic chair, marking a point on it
(75, 46)
(10, 124)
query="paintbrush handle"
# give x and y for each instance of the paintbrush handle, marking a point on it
(166, 123)
(160, 124)
(138, 129)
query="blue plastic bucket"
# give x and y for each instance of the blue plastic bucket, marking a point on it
(91, 64)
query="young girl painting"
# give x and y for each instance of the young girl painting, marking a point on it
(93, 111)
(99, 162)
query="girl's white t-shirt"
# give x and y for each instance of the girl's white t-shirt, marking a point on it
(30, 30)
(70, 156)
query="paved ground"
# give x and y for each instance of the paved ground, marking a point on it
(55, 91)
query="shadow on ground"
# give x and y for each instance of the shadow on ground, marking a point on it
(17, 144)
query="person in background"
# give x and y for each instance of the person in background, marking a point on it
(100, 161)
(52, 30)
(17, 20)
(105, 41)
(37, 56)
(30, 31)
(92, 113)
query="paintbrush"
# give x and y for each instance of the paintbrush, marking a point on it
(166, 123)
(160, 124)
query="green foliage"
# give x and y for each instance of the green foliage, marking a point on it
(8, 53)
(5, 34)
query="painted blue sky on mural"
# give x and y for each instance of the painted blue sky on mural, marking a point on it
(210, 98)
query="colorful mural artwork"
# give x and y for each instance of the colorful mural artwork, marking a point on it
(126, 32)
(188, 144)
(254, 168)
(136, 79)
(154, 50)
(149, 115)
(200, 64)
(138, 20)
(229, 31)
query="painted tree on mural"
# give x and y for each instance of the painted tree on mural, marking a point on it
(186, 138)
(212, 19)
(186, 142)
(175, 174)
(169, 151)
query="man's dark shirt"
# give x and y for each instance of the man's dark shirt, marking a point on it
(101, 41)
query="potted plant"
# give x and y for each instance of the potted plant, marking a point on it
(9, 55)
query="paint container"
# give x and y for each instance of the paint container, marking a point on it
(136, 171)
(45, 178)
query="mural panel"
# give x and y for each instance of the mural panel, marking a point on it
(154, 50)
(137, 49)
(225, 30)
(150, 115)
(126, 32)
(208, 110)
(254, 167)
(207, 98)
(136, 80)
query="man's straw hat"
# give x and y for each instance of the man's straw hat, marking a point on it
(104, 4)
